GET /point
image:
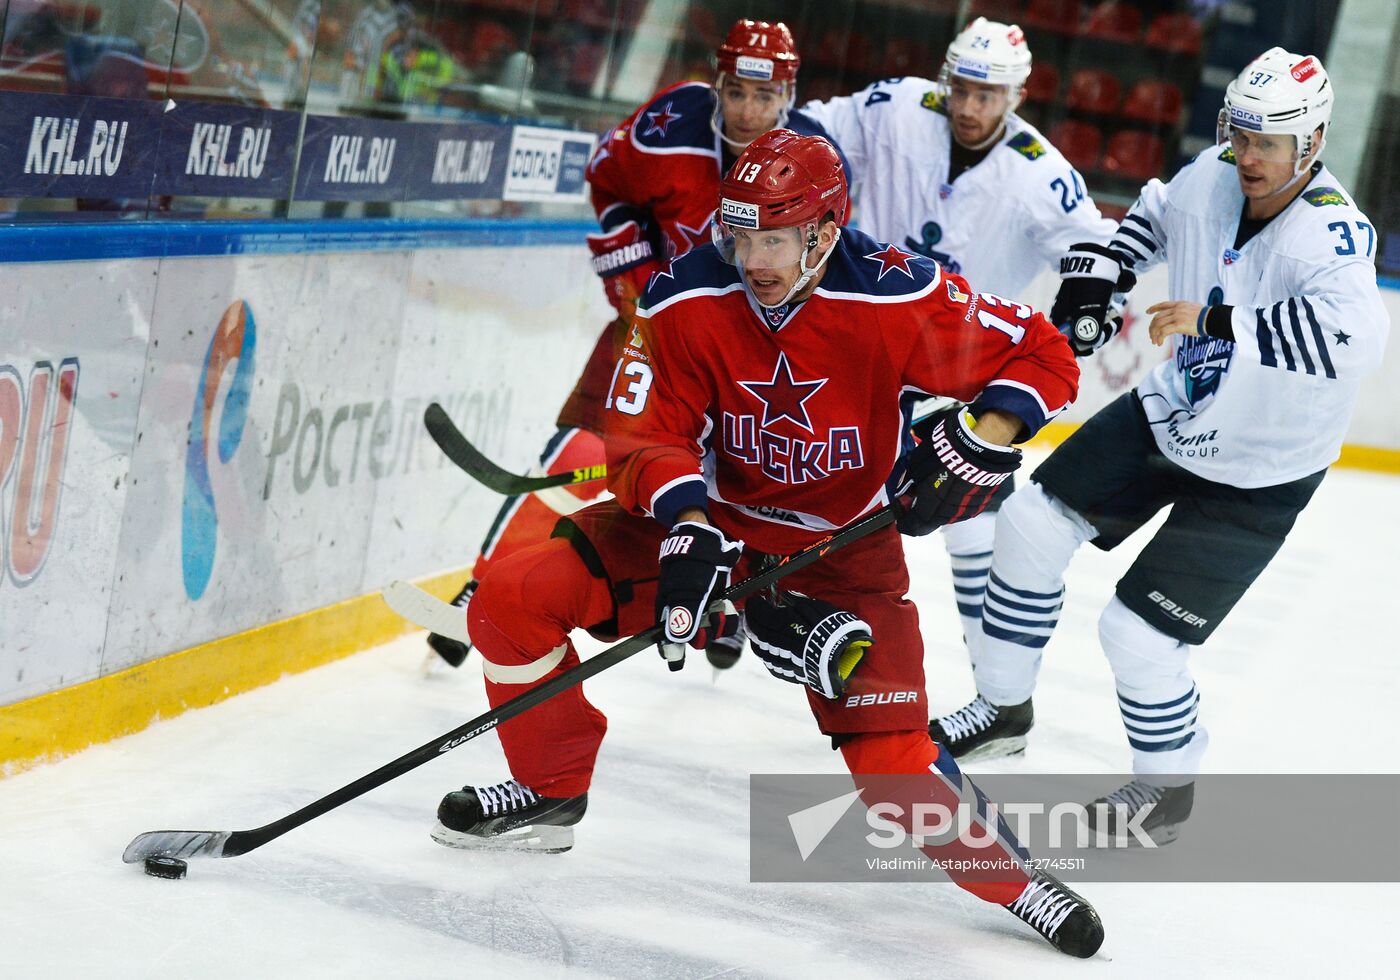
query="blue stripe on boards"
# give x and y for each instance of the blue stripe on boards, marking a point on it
(167, 239)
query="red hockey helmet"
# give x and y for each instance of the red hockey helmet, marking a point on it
(759, 50)
(783, 180)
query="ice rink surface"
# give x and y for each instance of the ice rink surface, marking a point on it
(1302, 678)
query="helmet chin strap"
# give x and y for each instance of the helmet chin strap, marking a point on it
(806, 275)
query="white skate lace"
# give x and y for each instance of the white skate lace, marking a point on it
(976, 717)
(461, 601)
(1043, 906)
(505, 797)
(1134, 795)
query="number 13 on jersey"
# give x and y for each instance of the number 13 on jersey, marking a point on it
(995, 313)
(631, 383)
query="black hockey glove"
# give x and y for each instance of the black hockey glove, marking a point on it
(807, 641)
(1091, 277)
(696, 560)
(952, 475)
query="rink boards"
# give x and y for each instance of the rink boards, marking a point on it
(212, 457)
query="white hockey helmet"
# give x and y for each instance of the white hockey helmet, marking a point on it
(1280, 93)
(988, 52)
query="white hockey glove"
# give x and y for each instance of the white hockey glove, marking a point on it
(696, 560)
(803, 640)
(1093, 290)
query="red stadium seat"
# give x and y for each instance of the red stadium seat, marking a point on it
(1178, 33)
(844, 50)
(1006, 11)
(702, 26)
(1079, 141)
(1158, 103)
(1134, 154)
(1114, 21)
(1093, 90)
(489, 43)
(1060, 16)
(1043, 84)
(905, 56)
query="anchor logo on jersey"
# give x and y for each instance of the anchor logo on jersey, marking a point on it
(932, 234)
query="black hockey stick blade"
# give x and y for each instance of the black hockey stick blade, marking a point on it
(231, 843)
(457, 448)
(467, 457)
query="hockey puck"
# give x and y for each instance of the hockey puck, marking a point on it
(160, 866)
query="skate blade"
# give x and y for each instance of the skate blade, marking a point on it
(538, 839)
(998, 749)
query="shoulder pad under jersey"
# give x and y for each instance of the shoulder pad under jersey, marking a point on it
(879, 271)
(677, 119)
(700, 271)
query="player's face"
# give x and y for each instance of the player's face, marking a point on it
(976, 110)
(1264, 162)
(771, 259)
(750, 107)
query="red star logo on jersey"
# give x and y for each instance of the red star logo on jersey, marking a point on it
(660, 120)
(783, 397)
(685, 237)
(891, 257)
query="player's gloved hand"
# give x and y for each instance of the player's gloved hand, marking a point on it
(625, 258)
(952, 475)
(696, 560)
(807, 641)
(1092, 282)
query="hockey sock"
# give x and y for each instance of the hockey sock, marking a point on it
(1036, 536)
(520, 616)
(969, 545)
(1156, 696)
(935, 778)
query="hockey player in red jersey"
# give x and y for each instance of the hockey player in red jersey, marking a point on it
(760, 402)
(653, 182)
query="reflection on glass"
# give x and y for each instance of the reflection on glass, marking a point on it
(1120, 88)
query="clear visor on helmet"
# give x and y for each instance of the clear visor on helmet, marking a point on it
(961, 92)
(1264, 147)
(758, 248)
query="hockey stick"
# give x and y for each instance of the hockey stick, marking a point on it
(456, 447)
(467, 457)
(231, 843)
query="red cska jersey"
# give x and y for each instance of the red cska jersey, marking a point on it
(667, 159)
(788, 423)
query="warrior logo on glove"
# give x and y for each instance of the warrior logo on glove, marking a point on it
(952, 475)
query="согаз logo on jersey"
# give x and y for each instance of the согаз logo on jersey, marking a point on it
(233, 343)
